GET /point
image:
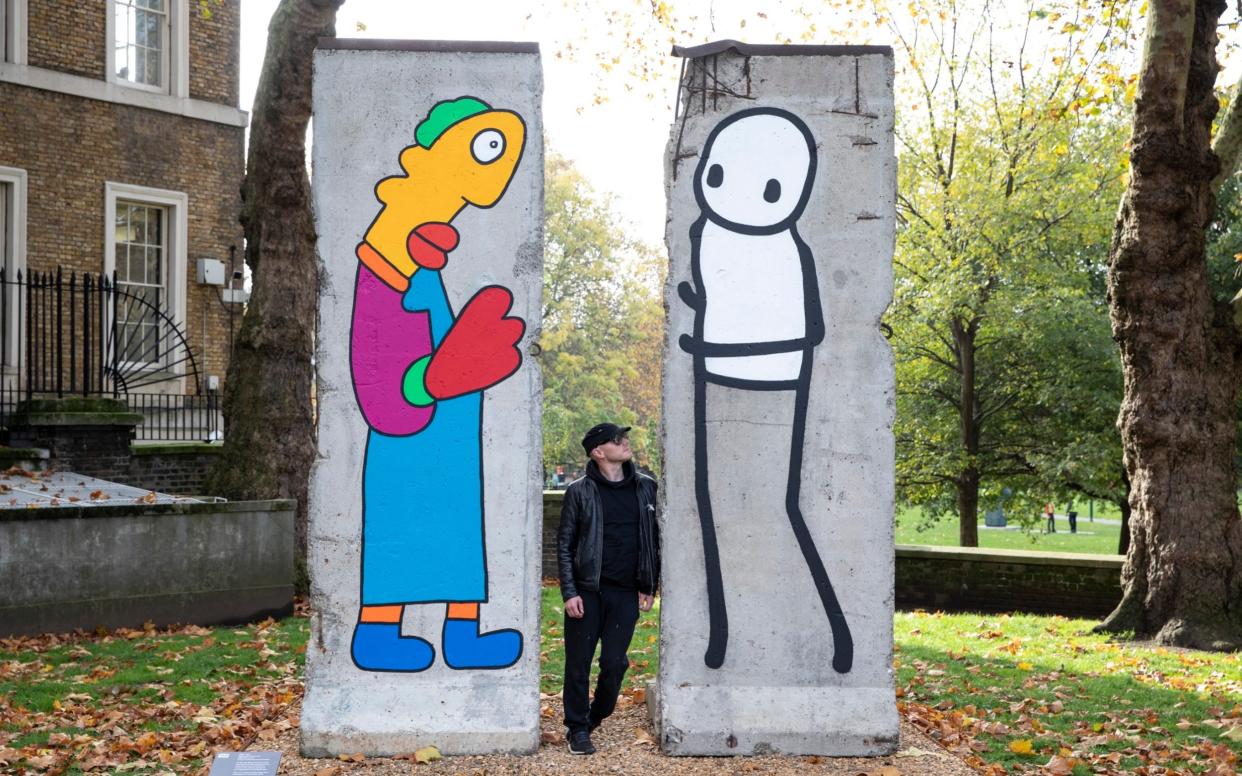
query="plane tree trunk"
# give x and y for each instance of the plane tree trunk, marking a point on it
(1182, 579)
(269, 442)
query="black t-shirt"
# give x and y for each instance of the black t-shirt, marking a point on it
(619, 566)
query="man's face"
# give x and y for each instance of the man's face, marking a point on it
(614, 451)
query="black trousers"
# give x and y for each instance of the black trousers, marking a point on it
(608, 617)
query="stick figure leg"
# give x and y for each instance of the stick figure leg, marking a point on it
(718, 620)
(842, 640)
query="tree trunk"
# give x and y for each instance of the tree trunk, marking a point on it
(968, 508)
(1182, 580)
(968, 479)
(268, 413)
(1123, 538)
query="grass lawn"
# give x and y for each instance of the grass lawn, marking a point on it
(145, 701)
(1020, 691)
(1010, 693)
(1093, 537)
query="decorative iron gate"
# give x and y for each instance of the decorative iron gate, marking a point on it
(85, 334)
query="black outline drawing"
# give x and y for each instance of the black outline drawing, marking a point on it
(700, 350)
(455, 315)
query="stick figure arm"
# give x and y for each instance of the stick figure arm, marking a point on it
(689, 295)
(810, 290)
(731, 349)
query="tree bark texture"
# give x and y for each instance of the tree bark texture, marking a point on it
(269, 441)
(1182, 578)
(967, 481)
(1123, 537)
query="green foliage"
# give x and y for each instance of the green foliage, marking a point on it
(1224, 240)
(1008, 178)
(603, 323)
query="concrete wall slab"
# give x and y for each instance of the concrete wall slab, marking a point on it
(425, 509)
(776, 621)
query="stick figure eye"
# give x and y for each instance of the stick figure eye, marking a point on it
(715, 176)
(772, 191)
(487, 146)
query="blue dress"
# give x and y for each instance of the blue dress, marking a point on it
(422, 532)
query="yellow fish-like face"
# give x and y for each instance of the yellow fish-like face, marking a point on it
(476, 157)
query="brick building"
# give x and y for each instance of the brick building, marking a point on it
(121, 150)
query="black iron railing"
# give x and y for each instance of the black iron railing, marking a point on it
(85, 334)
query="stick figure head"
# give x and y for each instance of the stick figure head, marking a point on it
(755, 172)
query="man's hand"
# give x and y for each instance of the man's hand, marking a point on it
(573, 607)
(645, 602)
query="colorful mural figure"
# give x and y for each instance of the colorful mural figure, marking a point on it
(418, 373)
(757, 316)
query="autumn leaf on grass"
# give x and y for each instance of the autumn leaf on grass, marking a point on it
(1060, 766)
(357, 757)
(1233, 734)
(426, 754)
(1022, 746)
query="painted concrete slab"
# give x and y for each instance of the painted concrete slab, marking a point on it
(776, 620)
(425, 506)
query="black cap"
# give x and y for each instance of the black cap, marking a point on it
(598, 435)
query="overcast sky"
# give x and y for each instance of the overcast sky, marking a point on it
(619, 144)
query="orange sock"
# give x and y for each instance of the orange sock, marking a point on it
(463, 611)
(389, 614)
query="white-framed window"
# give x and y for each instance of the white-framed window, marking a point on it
(148, 45)
(13, 31)
(12, 261)
(145, 246)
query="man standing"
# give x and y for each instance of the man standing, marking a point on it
(608, 558)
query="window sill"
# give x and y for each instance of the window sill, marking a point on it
(119, 93)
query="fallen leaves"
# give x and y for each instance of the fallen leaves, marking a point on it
(1107, 707)
(67, 685)
(1022, 746)
(426, 755)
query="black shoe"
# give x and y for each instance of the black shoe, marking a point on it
(580, 743)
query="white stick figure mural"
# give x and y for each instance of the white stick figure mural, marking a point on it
(758, 318)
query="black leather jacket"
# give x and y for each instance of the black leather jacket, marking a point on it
(580, 541)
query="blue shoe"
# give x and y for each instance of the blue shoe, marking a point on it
(379, 646)
(465, 647)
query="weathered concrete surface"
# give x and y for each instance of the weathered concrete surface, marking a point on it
(367, 106)
(115, 564)
(776, 688)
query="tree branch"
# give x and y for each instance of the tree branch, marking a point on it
(1227, 145)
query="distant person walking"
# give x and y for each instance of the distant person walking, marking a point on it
(1050, 513)
(608, 559)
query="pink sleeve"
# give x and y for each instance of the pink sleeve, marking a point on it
(384, 340)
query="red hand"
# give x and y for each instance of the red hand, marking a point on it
(429, 244)
(480, 349)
